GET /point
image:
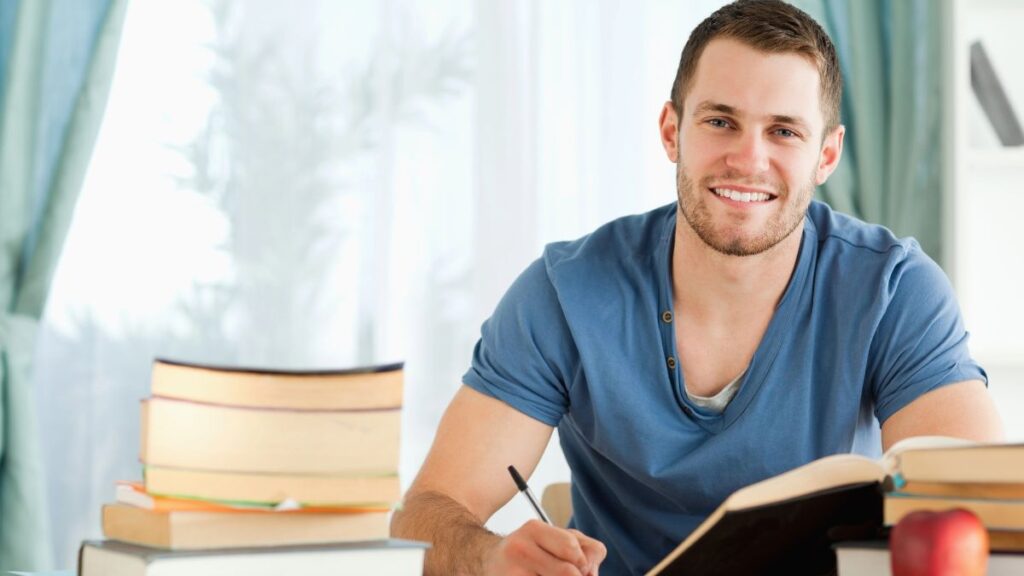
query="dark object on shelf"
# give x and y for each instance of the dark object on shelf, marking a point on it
(993, 98)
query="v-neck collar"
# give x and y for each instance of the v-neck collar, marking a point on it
(767, 350)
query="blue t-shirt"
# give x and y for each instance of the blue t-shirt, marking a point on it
(582, 341)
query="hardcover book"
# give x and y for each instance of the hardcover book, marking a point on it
(198, 529)
(370, 387)
(272, 489)
(201, 436)
(380, 558)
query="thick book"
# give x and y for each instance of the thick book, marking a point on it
(997, 490)
(788, 524)
(380, 558)
(371, 387)
(272, 489)
(1006, 540)
(195, 529)
(872, 558)
(977, 463)
(993, 513)
(202, 436)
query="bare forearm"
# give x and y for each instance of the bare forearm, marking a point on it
(458, 540)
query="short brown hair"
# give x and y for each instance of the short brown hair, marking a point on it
(769, 26)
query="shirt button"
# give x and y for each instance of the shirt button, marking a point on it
(671, 362)
(666, 316)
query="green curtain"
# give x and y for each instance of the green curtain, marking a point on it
(893, 57)
(56, 63)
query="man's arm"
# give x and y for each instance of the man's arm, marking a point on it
(962, 410)
(464, 480)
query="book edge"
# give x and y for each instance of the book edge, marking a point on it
(149, 553)
(368, 369)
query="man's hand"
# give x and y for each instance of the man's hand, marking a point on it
(539, 548)
(464, 481)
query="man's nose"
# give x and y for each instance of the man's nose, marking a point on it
(748, 154)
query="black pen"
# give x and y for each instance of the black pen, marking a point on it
(521, 484)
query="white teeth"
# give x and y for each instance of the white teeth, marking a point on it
(741, 196)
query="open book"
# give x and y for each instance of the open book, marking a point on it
(787, 524)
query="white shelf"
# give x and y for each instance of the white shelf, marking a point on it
(985, 200)
(1010, 157)
(1003, 359)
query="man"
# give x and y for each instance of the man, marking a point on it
(706, 345)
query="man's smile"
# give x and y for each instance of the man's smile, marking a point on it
(743, 196)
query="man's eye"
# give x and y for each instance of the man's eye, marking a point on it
(785, 133)
(718, 123)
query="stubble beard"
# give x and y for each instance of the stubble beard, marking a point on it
(693, 205)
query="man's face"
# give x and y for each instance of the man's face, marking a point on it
(749, 147)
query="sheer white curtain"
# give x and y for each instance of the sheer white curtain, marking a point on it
(322, 184)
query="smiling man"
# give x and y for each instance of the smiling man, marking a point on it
(735, 334)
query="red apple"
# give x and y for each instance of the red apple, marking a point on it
(952, 542)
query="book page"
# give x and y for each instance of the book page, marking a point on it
(821, 474)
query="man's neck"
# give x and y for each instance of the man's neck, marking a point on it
(712, 287)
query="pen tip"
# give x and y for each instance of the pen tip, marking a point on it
(520, 483)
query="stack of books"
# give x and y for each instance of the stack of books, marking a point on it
(254, 468)
(987, 479)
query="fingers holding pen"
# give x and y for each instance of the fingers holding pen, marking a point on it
(539, 548)
(559, 543)
(593, 549)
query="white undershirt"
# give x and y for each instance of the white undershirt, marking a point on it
(718, 402)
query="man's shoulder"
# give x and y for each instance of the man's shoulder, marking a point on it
(620, 241)
(854, 257)
(843, 236)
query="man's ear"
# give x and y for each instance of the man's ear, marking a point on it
(831, 153)
(668, 126)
